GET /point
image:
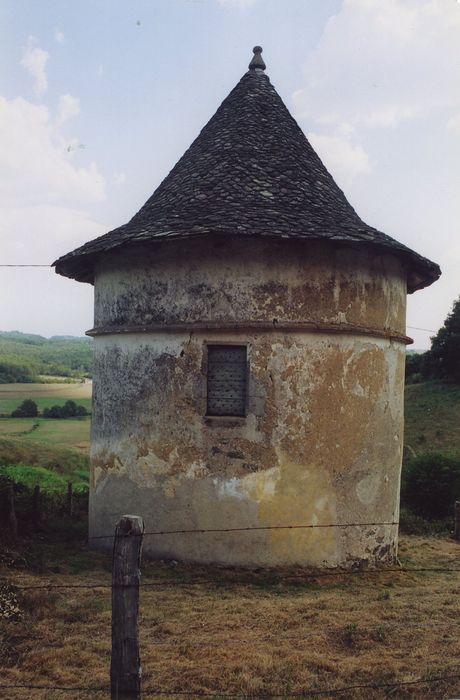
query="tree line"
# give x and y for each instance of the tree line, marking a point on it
(24, 357)
(442, 360)
(29, 409)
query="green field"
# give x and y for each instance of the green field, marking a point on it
(44, 395)
(45, 451)
(432, 418)
(64, 432)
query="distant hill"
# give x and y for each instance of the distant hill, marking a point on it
(24, 357)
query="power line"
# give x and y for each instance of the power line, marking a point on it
(427, 330)
(2, 265)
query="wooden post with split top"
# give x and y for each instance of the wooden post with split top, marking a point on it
(125, 667)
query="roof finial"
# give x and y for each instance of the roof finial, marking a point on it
(257, 60)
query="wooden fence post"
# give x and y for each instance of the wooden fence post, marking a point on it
(125, 667)
(457, 520)
(12, 520)
(69, 499)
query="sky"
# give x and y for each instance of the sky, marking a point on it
(100, 98)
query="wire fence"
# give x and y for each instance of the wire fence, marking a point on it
(201, 531)
(271, 577)
(316, 692)
(206, 580)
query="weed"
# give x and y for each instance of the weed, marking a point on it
(350, 634)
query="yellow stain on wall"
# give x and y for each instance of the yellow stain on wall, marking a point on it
(295, 494)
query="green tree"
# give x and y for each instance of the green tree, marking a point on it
(443, 360)
(53, 412)
(69, 409)
(28, 409)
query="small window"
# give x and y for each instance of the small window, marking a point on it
(227, 377)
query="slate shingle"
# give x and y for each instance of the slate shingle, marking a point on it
(250, 172)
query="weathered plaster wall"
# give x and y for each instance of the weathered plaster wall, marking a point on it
(253, 279)
(322, 439)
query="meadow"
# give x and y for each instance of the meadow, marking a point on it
(72, 433)
(432, 418)
(232, 632)
(44, 395)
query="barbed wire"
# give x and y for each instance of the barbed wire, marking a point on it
(317, 692)
(241, 529)
(226, 581)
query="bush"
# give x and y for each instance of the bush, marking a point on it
(430, 485)
(28, 409)
(53, 412)
(68, 410)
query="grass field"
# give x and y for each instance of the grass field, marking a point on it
(72, 433)
(68, 433)
(229, 631)
(44, 395)
(432, 418)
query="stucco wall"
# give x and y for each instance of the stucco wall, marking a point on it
(253, 279)
(322, 439)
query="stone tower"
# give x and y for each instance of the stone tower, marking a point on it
(249, 353)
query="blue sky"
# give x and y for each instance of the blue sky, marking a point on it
(99, 99)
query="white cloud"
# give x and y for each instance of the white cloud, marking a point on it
(119, 178)
(100, 70)
(34, 61)
(46, 203)
(378, 64)
(59, 36)
(453, 124)
(35, 165)
(341, 157)
(238, 4)
(381, 97)
(68, 107)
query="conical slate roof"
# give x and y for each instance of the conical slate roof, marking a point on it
(250, 172)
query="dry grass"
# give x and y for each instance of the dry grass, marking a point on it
(247, 633)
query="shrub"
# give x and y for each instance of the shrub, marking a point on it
(68, 410)
(431, 484)
(53, 412)
(28, 409)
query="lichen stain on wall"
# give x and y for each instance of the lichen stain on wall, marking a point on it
(213, 283)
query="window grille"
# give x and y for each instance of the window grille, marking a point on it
(227, 379)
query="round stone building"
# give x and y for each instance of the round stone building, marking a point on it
(249, 347)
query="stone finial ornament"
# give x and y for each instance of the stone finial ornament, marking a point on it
(257, 60)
